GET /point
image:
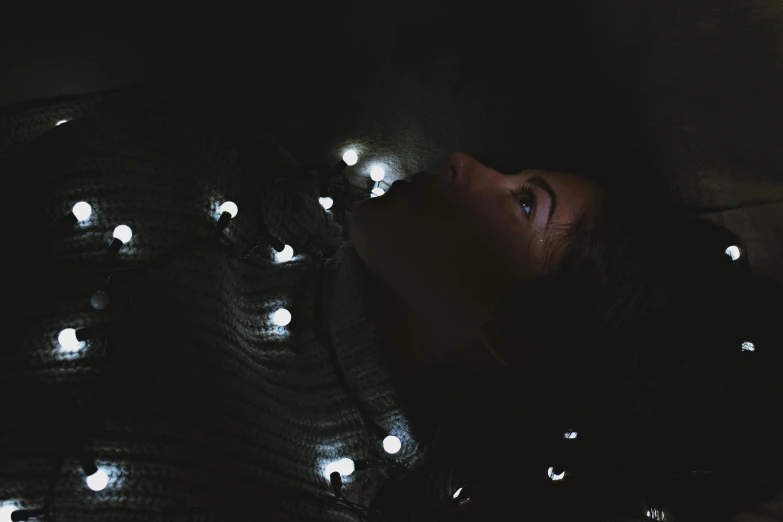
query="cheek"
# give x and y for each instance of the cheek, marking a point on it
(499, 237)
(473, 254)
(450, 255)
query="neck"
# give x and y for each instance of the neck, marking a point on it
(396, 325)
(415, 344)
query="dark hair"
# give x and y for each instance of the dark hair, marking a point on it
(640, 333)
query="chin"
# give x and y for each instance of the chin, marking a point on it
(369, 221)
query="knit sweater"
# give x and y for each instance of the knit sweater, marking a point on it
(208, 407)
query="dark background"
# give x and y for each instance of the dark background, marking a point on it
(694, 87)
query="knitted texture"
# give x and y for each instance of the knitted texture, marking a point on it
(208, 402)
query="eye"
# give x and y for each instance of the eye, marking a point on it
(526, 198)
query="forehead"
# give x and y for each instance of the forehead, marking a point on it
(576, 195)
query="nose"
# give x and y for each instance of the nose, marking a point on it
(457, 166)
(462, 171)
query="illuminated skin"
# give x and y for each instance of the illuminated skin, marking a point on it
(446, 248)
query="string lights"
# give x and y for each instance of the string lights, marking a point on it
(97, 479)
(377, 174)
(75, 340)
(7, 509)
(733, 252)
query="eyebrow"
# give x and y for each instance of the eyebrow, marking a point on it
(539, 182)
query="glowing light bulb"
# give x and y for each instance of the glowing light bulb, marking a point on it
(570, 435)
(123, 233)
(230, 207)
(377, 173)
(60, 123)
(6, 508)
(82, 210)
(98, 480)
(733, 252)
(326, 202)
(553, 476)
(392, 444)
(748, 347)
(344, 467)
(330, 468)
(350, 157)
(456, 493)
(282, 317)
(68, 340)
(285, 255)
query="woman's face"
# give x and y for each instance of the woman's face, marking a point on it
(450, 246)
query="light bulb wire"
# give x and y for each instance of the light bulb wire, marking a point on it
(87, 416)
(115, 271)
(118, 269)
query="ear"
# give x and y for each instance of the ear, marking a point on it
(511, 347)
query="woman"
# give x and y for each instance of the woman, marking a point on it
(475, 233)
(537, 305)
(477, 301)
